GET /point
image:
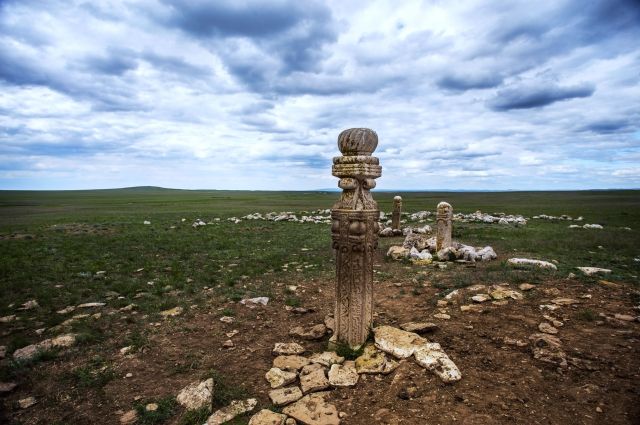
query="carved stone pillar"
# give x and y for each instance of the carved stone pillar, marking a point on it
(397, 210)
(355, 234)
(444, 224)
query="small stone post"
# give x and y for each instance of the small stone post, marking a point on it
(354, 232)
(397, 210)
(444, 224)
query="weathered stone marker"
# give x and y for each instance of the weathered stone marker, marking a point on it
(355, 234)
(444, 224)
(397, 210)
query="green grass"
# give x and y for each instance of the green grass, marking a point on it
(167, 407)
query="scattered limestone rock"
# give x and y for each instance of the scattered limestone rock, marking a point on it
(547, 328)
(313, 333)
(442, 316)
(487, 254)
(227, 319)
(8, 319)
(172, 312)
(7, 387)
(314, 381)
(529, 262)
(291, 363)
(151, 407)
(91, 305)
(313, 409)
(284, 396)
(267, 417)
(624, 317)
(287, 348)
(25, 403)
(196, 395)
(419, 327)
(236, 408)
(564, 301)
(592, 226)
(29, 305)
(129, 417)
(279, 378)
(66, 310)
(398, 252)
(590, 271)
(475, 308)
(433, 358)
(548, 348)
(399, 343)
(480, 298)
(228, 344)
(526, 286)
(252, 302)
(28, 352)
(327, 358)
(344, 375)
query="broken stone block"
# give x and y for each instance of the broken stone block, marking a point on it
(313, 409)
(590, 271)
(327, 358)
(278, 378)
(267, 417)
(432, 357)
(288, 348)
(314, 381)
(548, 348)
(529, 262)
(292, 363)
(399, 343)
(313, 333)
(547, 328)
(284, 396)
(234, 409)
(344, 375)
(196, 395)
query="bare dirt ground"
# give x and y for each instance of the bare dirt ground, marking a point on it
(502, 383)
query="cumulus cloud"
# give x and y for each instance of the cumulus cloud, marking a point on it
(252, 94)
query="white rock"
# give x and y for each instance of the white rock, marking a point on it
(267, 417)
(487, 254)
(146, 222)
(432, 357)
(196, 395)
(28, 352)
(314, 381)
(530, 262)
(255, 301)
(91, 305)
(326, 358)
(480, 298)
(284, 396)
(236, 408)
(592, 226)
(25, 403)
(278, 378)
(590, 271)
(313, 409)
(344, 375)
(399, 343)
(287, 348)
(397, 252)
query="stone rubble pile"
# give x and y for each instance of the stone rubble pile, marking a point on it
(476, 217)
(420, 248)
(301, 384)
(561, 217)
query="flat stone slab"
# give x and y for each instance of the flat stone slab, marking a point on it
(279, 378)
(312, 333)
(432, 357)
(290, 362)
(236, 408)
(590, 271)
(419, 327)
(344, 375)
(267, 417)
(530, 262)
(314, 381)
(196, 395)
(287, 348)
(327, 358)
(28, 352)
(313, 409)
(399, 343)
(373, 360)
(284, 396)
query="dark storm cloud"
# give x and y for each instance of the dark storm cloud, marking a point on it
(460, 82)
(608, 126)
(536, 96)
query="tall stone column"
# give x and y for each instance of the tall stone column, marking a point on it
(444, 224)
(397, 211)
(355, 234)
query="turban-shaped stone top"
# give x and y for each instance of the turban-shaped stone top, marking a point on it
(357, 141)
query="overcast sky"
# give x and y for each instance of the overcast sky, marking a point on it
(253, 94)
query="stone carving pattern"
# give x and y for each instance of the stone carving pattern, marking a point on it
(355, 235)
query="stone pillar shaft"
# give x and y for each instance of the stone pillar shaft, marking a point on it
(444, 224)
(397, 211)
(355, 235)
